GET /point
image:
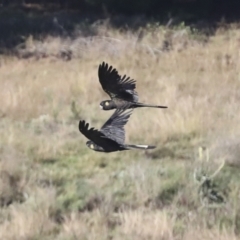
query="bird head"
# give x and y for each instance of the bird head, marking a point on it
(91, 145)
(106, 105)
(94, 146)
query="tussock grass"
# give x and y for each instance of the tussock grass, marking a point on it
(53, 187)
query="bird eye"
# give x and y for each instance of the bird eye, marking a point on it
(92, 146)
(106, 103)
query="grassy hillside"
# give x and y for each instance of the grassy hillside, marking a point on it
(53, 187)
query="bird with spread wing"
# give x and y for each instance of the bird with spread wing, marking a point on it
(120, 89)
(111, 137)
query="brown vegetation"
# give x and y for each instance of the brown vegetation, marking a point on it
(53, 187)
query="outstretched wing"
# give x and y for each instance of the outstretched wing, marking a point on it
(114, 127)
(92, 134)
(115, 85)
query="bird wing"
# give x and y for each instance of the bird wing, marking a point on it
(94, 135)
(114, 127)
(115, 85)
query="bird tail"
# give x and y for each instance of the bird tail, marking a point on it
(140, 146)
(148, 105)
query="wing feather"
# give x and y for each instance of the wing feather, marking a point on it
(114, 127)
(92, 134)
(115, 85)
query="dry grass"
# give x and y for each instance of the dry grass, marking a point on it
(53, 187)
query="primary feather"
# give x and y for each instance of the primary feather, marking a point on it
(115, 85)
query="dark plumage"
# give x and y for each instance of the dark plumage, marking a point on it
(111, 137)
(120, 89)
